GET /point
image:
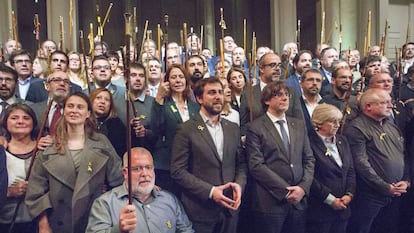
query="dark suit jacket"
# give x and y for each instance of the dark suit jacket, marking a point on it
(273, 168)
(307, 117)
(330, 178)
(164, 122)
(32, 81)
(293, 82)
(196, 167)
(258, 110)
(3, 176)
(39, 109)
(38, 93)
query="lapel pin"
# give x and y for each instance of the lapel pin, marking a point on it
(169, 225)
(89, 167)
(328, 152)
(382, 136)
(200, 127)
(173, 108)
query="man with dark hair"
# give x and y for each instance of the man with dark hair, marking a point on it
(328, 56)
(281, 163)
(101, 74)
(311, 83)
(270, 70)
(301, 62)
(58, 61)
(195, 67)
(22, 63)
(207, 162)
(408, 56)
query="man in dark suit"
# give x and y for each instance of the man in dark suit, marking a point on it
(281, 164)
(311, 83)
(269, 68)
(37, 92)
(208, 164)
(301, 62)
(328, 56)
(57, 85)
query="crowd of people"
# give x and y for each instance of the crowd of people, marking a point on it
(300, 142)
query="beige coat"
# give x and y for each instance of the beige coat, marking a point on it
(55, 187)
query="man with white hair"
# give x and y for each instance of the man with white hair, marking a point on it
(152, 210)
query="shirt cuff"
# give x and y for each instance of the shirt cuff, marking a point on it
(211, 193)
(329, 199)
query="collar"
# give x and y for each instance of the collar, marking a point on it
(208, 120)
(319, 98)
(262, 85)
(151, 86)
(329, 140)
(141, 98)
(11, 100)
(123, 192)
(26, 81)
(410, 86)
(274, 119)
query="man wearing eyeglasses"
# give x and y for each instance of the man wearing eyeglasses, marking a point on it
(59, 61)
(381, 165)
(270, 70)
(8, 84)
(152, 210)
(101, 74)
(58, 89)
(22, 63)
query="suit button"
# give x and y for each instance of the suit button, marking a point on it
(291, 165)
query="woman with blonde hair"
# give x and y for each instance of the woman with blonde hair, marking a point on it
(334, 182)
(40, 68)
(76, 70)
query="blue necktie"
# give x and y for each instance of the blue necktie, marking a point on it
(284, 135)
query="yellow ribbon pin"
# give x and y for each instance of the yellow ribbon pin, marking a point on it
(169, 225)
(200, 127)
(173, 108)
(89, 167)
(382, 136)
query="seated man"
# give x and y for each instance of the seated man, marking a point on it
(152, 210)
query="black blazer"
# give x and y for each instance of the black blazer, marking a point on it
(196, 167)
(273, 168)
(330, 178)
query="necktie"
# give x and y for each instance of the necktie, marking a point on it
(284, 135)
(4, 105)
(55, 118)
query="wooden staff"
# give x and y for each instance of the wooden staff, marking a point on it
(368, 45)
(287, 64)
(323, 29)
(15, 33)
(191, 40)
(108, 11)
(298, 35)
(254, 58)
(91, 42)
(159, 41)
(200, 49)
(61, 36)
(143, 39)
(384, 38)
(407, 35)
(244, 34)
(165, 41)
(2, 58)
(99, 32)
(85, 65)
(223, 27)
(184, 44)
(32, 159)
(70, 24)
(37, 30)
(128, 99)
(340, 38)
(250, 88)
(135, 34)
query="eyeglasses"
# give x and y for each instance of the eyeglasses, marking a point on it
(21, 61)
(59, 60)
(273, 65)
(58, 79)
(7, 80)
(101, 67)
(141, 168)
